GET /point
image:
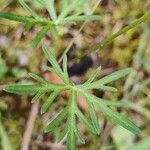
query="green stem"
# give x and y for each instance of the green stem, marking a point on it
(110, 38)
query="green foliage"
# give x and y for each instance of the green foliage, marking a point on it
(144, 144)
(3, 69)
(71, 112)
(4, 140)
(64, 17)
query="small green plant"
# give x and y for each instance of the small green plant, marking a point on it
(54, 22)
(71, 112)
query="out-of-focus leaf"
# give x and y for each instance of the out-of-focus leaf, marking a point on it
(27, 8)
(142, 145)
(28, 26)
(4, 140)
(69, 8)
(17, 17)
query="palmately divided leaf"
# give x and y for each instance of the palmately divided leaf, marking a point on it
(40, 35)
(38, 78)
(57, 120)
(49, 101)
(115, 116)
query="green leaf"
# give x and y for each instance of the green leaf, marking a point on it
(38, 78)
(37, 96)
(112, 77)
(81, 18)
(28, 26)
(22, 89)
(142, 145)
(99, 87)
(49, 69)
(25, 19)
(85, 121)
(68, 9)
(94, 118)
(93, 76)
(40, 35)
(50, 6)
(64, 4)
(27, 8)
(65, 65)
(51, 58)
(57, 120)
(115, 103)
(79, 135)
(62, 134)
(17, 17)
(49, 101)
(115, 116)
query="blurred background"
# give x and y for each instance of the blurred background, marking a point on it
(20, 122)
